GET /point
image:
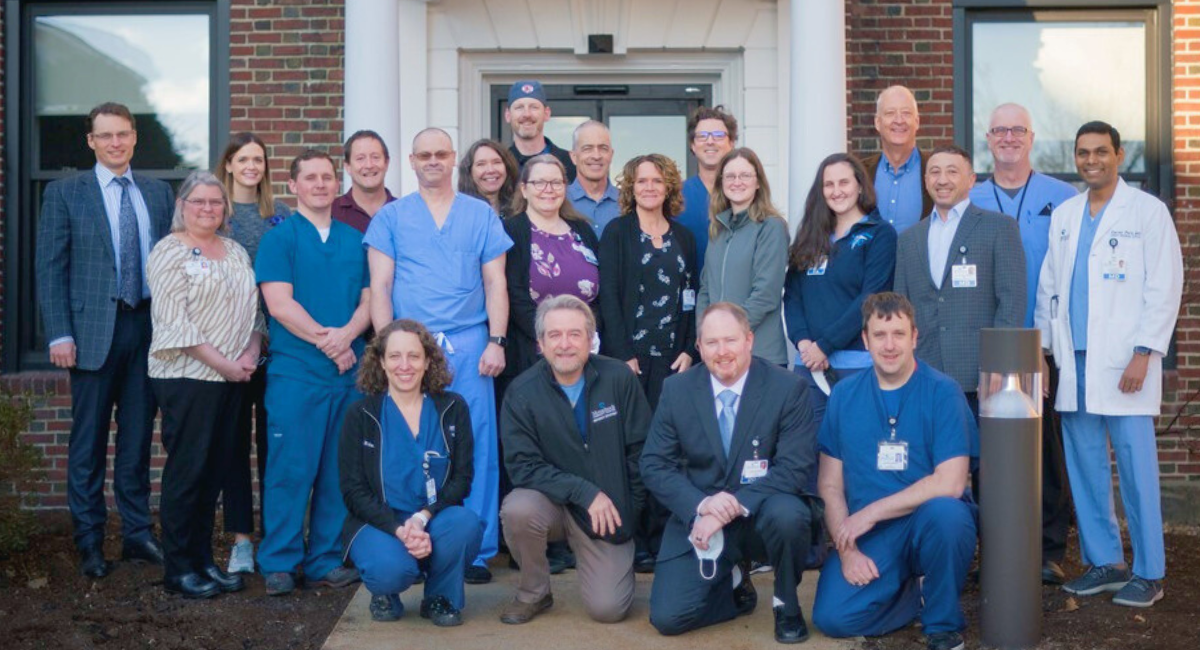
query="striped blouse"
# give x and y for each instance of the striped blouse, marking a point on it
(197, 300)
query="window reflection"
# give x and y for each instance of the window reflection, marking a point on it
(157, 65)
(635, 135)
(1065, 73)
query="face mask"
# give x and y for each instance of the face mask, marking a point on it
(716, 544)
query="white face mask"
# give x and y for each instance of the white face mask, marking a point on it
(716, 544)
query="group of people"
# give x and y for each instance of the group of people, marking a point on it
(539, 355)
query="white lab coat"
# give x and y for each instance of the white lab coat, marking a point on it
(1122, 315)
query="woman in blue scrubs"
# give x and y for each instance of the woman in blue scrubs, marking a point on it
(405, 466)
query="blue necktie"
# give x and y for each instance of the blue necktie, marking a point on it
(728, 398)
(130, 291)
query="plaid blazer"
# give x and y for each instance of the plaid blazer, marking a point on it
(76, 263)
(949, 319)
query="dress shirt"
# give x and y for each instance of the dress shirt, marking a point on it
(898, 191)
(941, 236)
(737, 388)
(600, 212)
(111, 190)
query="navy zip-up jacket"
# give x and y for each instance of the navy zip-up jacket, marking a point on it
(827, 309)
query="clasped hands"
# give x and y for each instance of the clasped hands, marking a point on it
(716, 511)
(335, 342)
(414, 537)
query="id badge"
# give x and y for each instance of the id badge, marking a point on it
(588, 255)
(963, 276)
(1114, 269)
(689, 299)
(893, 456)
(430, 491)
(818, 270)
(754, 470)
(197, 267)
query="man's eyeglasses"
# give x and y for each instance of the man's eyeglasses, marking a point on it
(426, 156)
(1001, 131)
(717, 136)
(541, 186)
(120, 136)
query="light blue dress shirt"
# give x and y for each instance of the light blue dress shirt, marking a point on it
(941, 236)
(600, 212)
(1079, 276)
(898, 191)
(111, 191)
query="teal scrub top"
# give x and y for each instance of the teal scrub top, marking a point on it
(327, 280)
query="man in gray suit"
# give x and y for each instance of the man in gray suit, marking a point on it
(95, 232)
(963, 269)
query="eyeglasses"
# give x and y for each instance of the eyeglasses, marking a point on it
(541, 186)
(1001, 131)
(717, 136)
(120, 136)
(215, 204)
(426, 156)
(744, 177)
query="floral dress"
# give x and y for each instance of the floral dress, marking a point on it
(660, 296)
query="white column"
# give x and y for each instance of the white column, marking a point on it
(817, 122)
(372, 92)
(413, 84)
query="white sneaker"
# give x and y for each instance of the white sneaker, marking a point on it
(241, 558)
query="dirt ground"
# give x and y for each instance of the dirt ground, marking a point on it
(46, 604)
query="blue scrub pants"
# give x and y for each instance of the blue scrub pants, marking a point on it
(1090, 474)
(387, 568)
(937, 541)
(302, 477)
(484, 500)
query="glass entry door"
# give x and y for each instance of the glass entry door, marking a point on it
(643, 118)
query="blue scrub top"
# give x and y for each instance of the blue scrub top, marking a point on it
(1078, 316)
(599, 212)
(439, 272)
(934, 420)
(899, 192)
(695, 216)
(403, 454)
(327, 280)
(1036, 202)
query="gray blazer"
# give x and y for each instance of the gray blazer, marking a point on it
(747, 266)
(949, 319)
(76, 263)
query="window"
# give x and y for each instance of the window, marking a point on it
(1068, 67)
(161, 59)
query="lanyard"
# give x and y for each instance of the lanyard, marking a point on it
(890, 421)
(1024, 191)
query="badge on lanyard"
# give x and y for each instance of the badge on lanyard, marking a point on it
(1114, 268)
(588, 255)
(689, 299)
(755, 468)
(893, 454)
(819, 269)
(197, 265)
(963, 275)
(430, 483)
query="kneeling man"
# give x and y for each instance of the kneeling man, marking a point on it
(573, 426)
(731, 447)
(894, 459)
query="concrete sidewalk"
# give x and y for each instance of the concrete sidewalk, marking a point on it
(563, 627)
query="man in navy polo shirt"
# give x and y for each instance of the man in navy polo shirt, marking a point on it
(527, 114)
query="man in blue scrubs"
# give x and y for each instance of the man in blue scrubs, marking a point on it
(592, 193)
(899, 169)
(712, 133)
(313, 276)
(1029, 197)
(437, 257)
(894, 462)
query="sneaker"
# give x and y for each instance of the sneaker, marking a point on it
(477, 575)
(439, 610)
(517, 612)
(1098, 579)
(944, 641)
(339, 577)
(241, 558)
(280, 583)
(386, 607)
(1139, 592)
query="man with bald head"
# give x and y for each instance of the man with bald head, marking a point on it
(1030, 197)
(437, 257)
(899, 167)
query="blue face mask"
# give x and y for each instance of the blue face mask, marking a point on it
(716, 545)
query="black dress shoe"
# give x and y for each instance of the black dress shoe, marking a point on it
(477, 575)
(146, 550)
(191, 585)
(227, 582)
(92, 563)
(745, 598)
(790, 629)
(643, 562)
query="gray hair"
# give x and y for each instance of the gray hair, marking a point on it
(586, 125)
(189, 185)
(564, 302)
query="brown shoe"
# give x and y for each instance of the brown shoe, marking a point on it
(517, 612)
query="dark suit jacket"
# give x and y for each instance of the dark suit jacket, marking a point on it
(76, 262)
(683, 460)
(872, 164)
(949, 319)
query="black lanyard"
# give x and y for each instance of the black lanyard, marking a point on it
(1024, 191)
(891, 421)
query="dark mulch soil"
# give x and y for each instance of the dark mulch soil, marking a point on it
(46, 603)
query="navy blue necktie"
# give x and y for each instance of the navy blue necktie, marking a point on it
(130, 291)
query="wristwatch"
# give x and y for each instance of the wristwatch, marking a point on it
(498, 340)
(1142, 350)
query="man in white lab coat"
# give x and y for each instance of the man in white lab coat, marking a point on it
(1107, 301)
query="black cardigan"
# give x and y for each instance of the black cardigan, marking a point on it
(522, 351)
(360, 468)
(620, 268)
